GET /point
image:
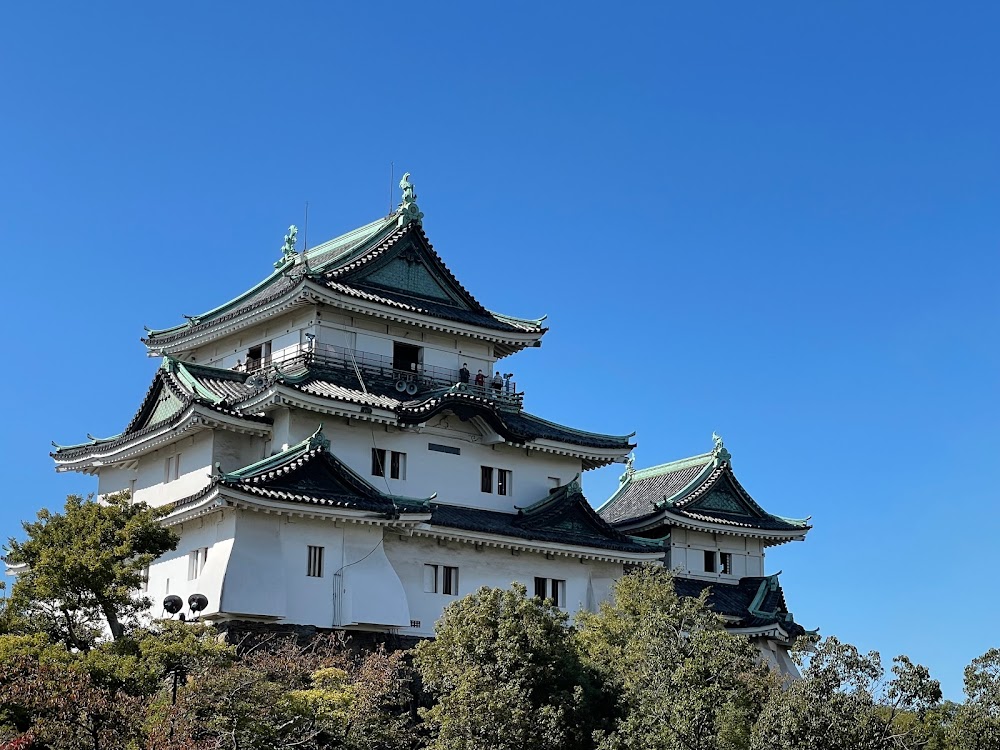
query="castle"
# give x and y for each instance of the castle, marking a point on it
(339, 447)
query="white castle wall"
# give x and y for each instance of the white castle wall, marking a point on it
(687, 553)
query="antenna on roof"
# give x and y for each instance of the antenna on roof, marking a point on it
(305, 231)
(392, 178)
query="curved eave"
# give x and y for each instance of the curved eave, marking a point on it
(233, 304)
(195, 418)
(505, 342)
(281, 395)
(773, 632)
(220, 496)
(770, 537)
(518, 544)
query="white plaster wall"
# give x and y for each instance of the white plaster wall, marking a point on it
(195, 470)
(113, 479)
(687, 551)
(455, 479)
(232, 450)
(169, 574)
(587, 583)
(284, 333)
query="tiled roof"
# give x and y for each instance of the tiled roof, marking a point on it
(756, 601)
(702, 489)
(564, 517)
(637, 495)
(176, 387)
(343, 265)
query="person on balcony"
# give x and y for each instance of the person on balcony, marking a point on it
(497, 383)
(480, 380)
(463, 374)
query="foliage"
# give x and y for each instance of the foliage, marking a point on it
(86, 564)
(680, 680)
(279, 694)
(977, 721)
(506, 675)
(844, 701)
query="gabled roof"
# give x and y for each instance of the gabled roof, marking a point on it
(564, 516)
(306, 473)
(753, 603)
(697, 492)
(176, 388)
(390, 263)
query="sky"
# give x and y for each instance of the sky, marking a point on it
(778, 221)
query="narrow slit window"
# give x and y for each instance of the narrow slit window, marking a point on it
(486, 479)
(449, 582)
(430, 579)
(726, 563)
(540, 586)
(378, 462)
(503, 482)
(397, 465)
(314, 562)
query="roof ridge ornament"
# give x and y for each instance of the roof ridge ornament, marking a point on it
(288, 249)
(629, 468)
(408, 210)
(719, 453)
(575, 486)
(318, 439)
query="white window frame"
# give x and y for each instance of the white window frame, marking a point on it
(501, 480)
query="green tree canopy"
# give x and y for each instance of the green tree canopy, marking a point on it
(682, 682)
(506, 676)
(85, 565)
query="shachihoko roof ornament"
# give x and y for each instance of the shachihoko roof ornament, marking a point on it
(288, 249)
(719, 453)
(408, 210)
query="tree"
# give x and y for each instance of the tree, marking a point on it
(844, 701)
(681, 681)
(506, 675)
(279, 694)
(85, 565)
(977, 721)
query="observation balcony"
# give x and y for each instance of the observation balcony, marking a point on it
(416, 381)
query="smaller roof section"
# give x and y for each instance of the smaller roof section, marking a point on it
(701, 493)
(177, 390)
(563, 517)
(755, 603)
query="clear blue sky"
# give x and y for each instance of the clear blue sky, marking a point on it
(775, 220)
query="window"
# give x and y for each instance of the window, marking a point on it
(503, 480)
(444, 449)
(726, 565)
(172, 468)
(196, 562)
(551, 588)
(449, 581)
(405, 357)
(314, 562)
(710, 566)
(397, 463)
(259, 356)
(441, 579)
(144, 576)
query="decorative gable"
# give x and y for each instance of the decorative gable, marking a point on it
(723, 497)
(411, 267)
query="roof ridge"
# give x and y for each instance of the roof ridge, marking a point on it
(575, 430)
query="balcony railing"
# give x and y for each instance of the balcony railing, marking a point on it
(408, 382)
